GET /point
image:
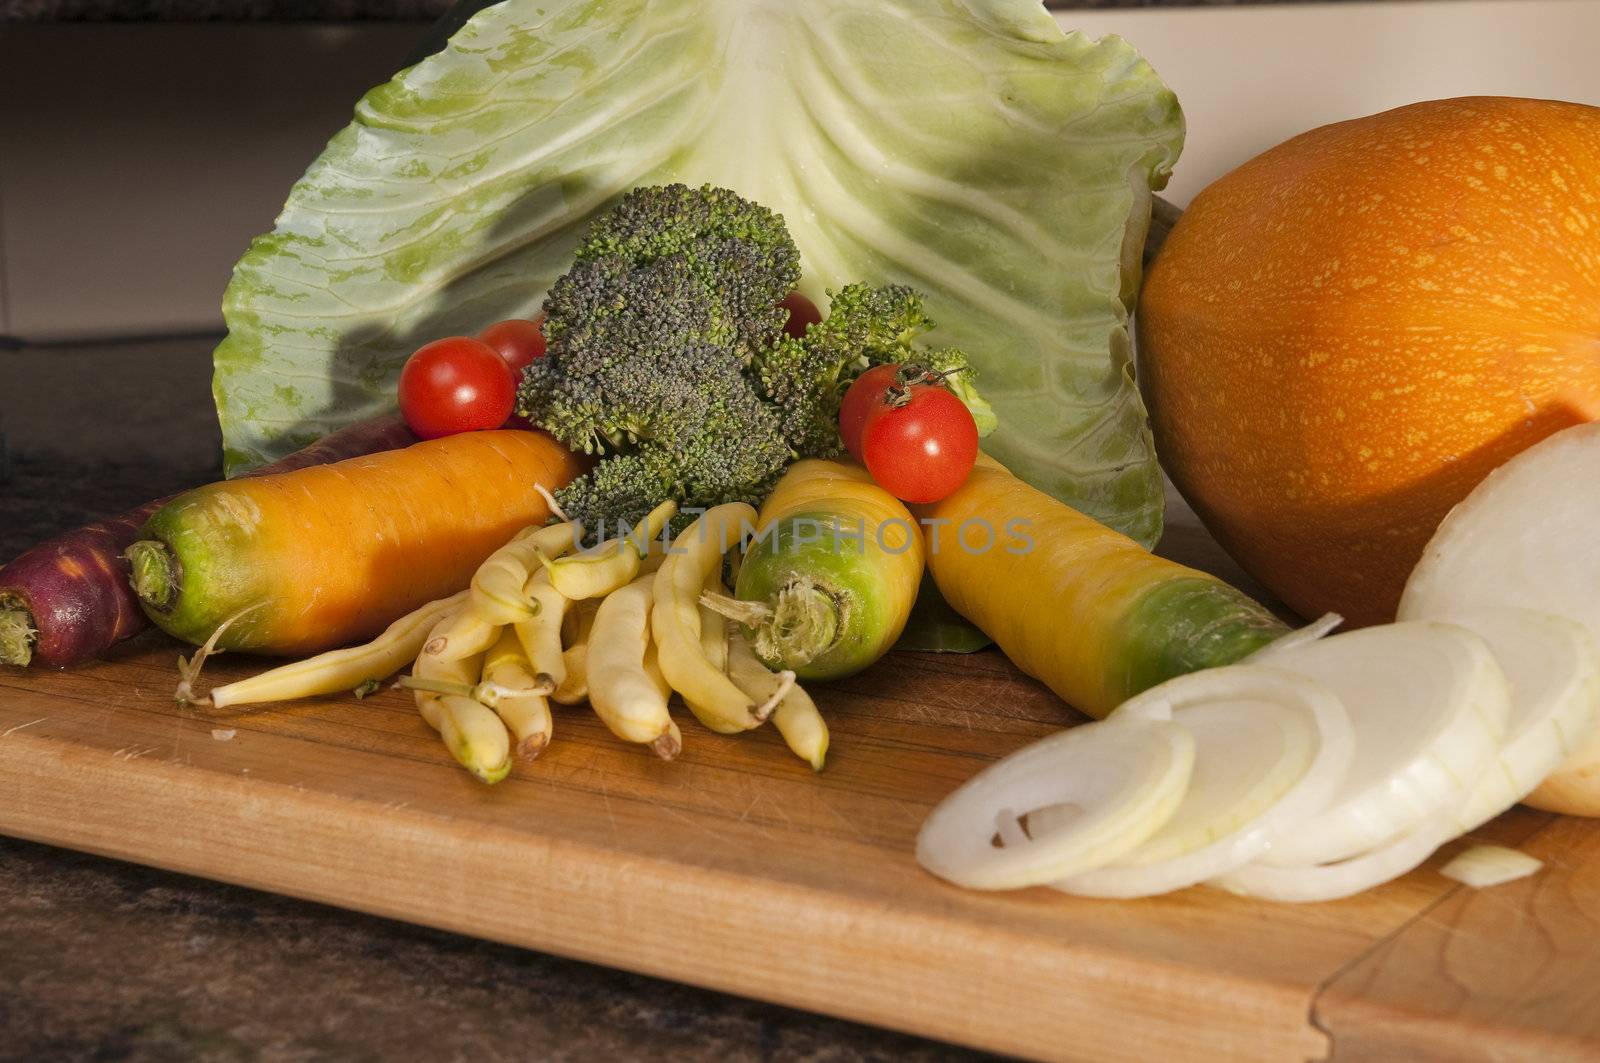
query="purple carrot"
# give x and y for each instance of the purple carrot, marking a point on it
(68, 598)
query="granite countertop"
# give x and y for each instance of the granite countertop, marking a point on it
(106, 960)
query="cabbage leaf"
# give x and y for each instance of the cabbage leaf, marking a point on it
(970, 148)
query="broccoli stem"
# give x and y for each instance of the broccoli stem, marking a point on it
(17, 636)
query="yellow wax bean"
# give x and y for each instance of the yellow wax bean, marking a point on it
(475, 736)
(693, 561)
(796, 717)
(596, 573)
(575, 652)
(517, 697)
(714, 632)
(460, 670)
(466, 634)
(497, 585)
(540, 635)
(472, 733)
(631, 702)
(340, 670)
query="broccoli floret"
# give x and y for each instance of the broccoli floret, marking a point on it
(672, 295)
(807, 376)
(740, 251)
(878, 320)
(625, 344)
(666, 355)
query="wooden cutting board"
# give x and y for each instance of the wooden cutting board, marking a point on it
(736, 868)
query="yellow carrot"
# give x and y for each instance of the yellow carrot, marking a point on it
(827, 583)
(1088, 611)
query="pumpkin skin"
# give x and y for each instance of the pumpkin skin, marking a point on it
(1343, 336)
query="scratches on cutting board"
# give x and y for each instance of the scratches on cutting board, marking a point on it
(692, 821)
(605, 796)
(855, 829)
(756, 824)
(8, 732)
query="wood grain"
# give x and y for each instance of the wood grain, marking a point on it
(1510, 973)
(736, 868)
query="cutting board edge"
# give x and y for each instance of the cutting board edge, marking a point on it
(249, 840)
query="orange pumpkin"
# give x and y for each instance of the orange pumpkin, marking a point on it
(1344, 335)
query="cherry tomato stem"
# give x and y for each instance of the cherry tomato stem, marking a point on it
(919, 442)
(878, 385)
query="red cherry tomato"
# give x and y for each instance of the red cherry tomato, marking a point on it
(802, 312)
(455, 385)
(518, 341)
(922, 450)
(870, 389)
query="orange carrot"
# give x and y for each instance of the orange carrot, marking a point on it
(320, 557)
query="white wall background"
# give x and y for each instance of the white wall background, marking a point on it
(128, 188)
(1251, 77)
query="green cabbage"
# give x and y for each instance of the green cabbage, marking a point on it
(971, 149)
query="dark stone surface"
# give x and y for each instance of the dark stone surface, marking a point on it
(105, 960)
(95, 429)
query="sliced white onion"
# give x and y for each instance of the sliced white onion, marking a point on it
(1428, 704)
(1554, 671)
(1483, 866)
(1344, 878)
(1271, 748)
(1123, 778)
(1525, 536)
(1320, 628)
(1573, 788)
